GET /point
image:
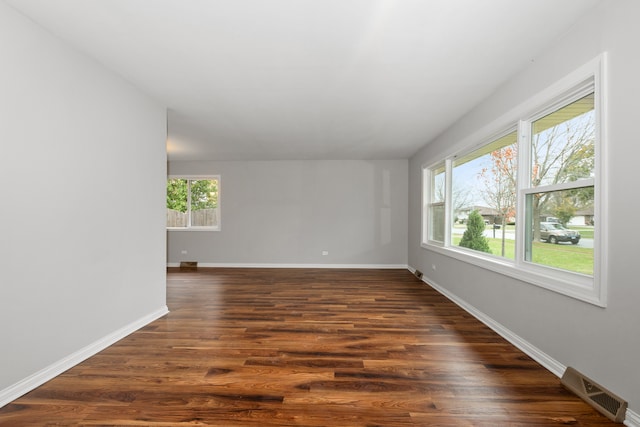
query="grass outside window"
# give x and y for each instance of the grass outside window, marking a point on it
(564, 256)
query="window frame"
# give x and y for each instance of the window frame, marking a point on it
(190, 227)
(590, 289)
(429, 203)
(487, 142)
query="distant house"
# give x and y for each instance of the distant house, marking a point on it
(583, 217)
(488, 214)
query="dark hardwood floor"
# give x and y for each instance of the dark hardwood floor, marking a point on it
(301, 347)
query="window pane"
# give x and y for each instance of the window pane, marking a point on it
(204, 202)
(563, 144)
(485, 181)
(436, 207)
(561, 225)
(436, 223)
(177, 202)
(437, 185)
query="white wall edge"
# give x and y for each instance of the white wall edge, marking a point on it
(632, 419)
(275, 265)
(29, 383)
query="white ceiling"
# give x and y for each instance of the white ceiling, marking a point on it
(309, 79)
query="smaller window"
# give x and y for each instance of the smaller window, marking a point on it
(434, 220)
(193, 203)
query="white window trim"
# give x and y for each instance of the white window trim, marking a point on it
(199, 228)
(590, 289)
(427, 202)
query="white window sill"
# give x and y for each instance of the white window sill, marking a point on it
(193, 229)
(574, 285)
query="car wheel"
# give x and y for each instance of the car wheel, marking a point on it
(574, 242)
(553, 240)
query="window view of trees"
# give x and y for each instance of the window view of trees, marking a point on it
(559, 192)
(563, 144)
(522, 195)
(177, 195)
(485, 181)
(192, 203)
(562, 182)
(563, 151)
(500, 190)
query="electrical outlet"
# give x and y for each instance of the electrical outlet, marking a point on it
(433, 266)
(183, 252)
(325, 253)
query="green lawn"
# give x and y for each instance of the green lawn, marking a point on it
(564, 256)
(585, 231)
(567, 257)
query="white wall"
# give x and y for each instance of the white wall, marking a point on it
(602, 343)
(288, 212)
(83, 167)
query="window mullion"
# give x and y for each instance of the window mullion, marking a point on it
(188, 203)
(523, 182)
(448, 205)
(600, 204)
(561, 186)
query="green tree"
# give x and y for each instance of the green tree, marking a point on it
(204, 194)
(473, 237)
(177, 194)
(565, 211)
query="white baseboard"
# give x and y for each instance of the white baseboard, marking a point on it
(29, 383)
(24, 386)
(532, 351)
(632, 419)
(275, 265)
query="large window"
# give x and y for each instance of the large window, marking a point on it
(527, 201)
(193, 203)
(562, 171)
(484, 186)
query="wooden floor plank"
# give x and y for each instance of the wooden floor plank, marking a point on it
(305, 347)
